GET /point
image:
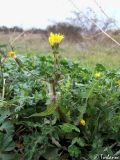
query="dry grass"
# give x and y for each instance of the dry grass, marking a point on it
(87, 53)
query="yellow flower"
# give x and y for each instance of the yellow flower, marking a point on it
(82, 122)
(118, 82)
(55, 38)
(11, 54)
(98, 75)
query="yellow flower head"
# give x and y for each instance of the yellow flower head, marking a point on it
(82, 122)
(118, 82)
(55, 38)
(11, 54)
(98, 74)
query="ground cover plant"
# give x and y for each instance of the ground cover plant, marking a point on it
(51, 108)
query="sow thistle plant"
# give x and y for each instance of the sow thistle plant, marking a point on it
(4, 56)
(64, 114)
(54, 40)
(59, 110)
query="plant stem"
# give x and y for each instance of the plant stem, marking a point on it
(3, 82)
(90, 92)
(54, 91)
(3, 90)
(55, 77)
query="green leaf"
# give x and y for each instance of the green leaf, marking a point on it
(7, 143)
(3, 45)
(74, 151)
(66, 127)
(7, 126)
(19, 62)
(100, 67)
(5, 156)
(51, 154)
(3, 115)
(82, 109)
(78, 141)
(50, 110)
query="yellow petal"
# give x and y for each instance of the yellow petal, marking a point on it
(118, 82)
(55, 38)
(11, 54)
(98, 75)
(82, 122)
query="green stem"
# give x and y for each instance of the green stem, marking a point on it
(3, 82)
(54, 81)
(1, 78)
(90, 92)
(3, 90)
(96, 127)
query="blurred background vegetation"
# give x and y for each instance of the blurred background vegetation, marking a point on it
(83, 40)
